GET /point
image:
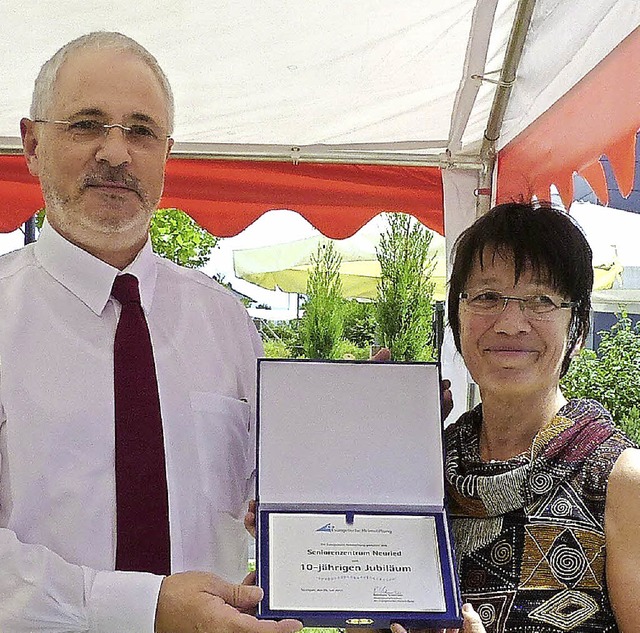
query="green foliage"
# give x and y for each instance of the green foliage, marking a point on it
(39, 219)
(348, 350)
(283, 339)
(177, 237)
(405, 293)
(611, 375)
(360, 322)
(322, 325)
(285, 335)
(630, 424)
(276, 349)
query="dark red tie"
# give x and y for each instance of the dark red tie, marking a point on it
(142, 507)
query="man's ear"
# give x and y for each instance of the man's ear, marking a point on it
(29, 144)
(170, 143)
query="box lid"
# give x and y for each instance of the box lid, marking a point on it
(341, 432)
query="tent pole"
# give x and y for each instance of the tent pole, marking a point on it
(438, 328)
(512, 56)
(301, 154)
(325, 155)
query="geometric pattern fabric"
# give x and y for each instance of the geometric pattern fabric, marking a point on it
(529, 531)
(567, 610)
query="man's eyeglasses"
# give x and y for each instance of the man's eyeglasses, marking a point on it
(143, 135)
(539, 307)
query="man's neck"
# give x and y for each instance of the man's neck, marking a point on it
(113, 249)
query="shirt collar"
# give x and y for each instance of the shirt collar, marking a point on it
(87, 277)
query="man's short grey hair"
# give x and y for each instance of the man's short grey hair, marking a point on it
(45, 82)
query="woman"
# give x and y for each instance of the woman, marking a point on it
(544, 494)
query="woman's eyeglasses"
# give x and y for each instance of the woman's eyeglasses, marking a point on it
(539, 307)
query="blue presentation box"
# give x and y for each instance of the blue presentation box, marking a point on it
(352, 529)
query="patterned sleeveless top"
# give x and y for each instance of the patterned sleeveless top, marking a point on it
(529, 531)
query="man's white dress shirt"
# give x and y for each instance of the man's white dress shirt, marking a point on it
(57, 480)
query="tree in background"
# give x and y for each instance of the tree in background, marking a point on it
(322, 325)
(283, 339)
(405, 292)
(611, 375)
(176, 236)
(360, 323)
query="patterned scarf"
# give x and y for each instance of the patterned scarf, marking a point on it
(529, 531)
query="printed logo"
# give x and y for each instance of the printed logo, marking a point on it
(329, 527)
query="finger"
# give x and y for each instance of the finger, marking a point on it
(250, 524)
(382, 354)
(271, 626)
(242, 597)
(397, 628)
(447, 398)
(447, 404)
(248, 624)
(250, 519)
(229, 619)
(250, 578)
(289, 626)
(472, 621)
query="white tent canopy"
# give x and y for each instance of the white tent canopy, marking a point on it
(326, 76)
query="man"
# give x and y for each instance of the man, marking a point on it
(98, 140)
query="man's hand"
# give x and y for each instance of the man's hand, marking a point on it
(198, 602)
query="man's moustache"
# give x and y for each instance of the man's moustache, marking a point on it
(113, 178)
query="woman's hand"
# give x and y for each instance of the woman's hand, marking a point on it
(472, 624)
